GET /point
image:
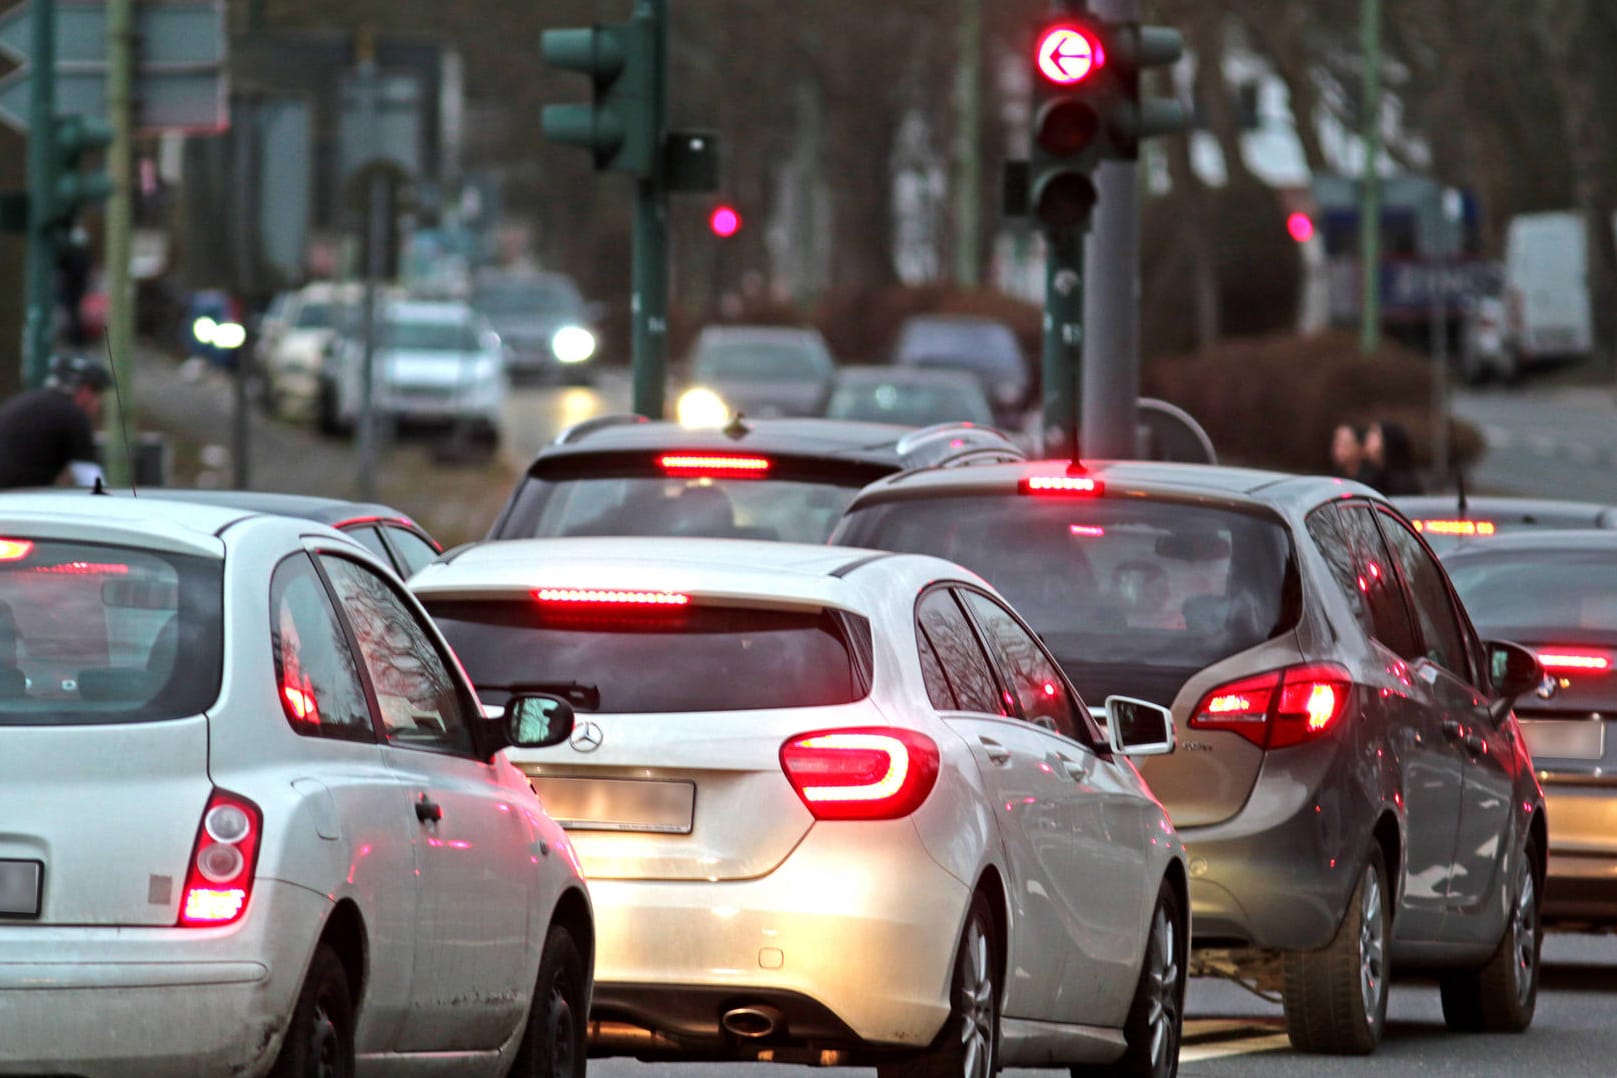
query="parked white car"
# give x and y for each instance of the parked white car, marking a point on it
(294, 338)
(436, 362)
(835, 807)
(255, 818)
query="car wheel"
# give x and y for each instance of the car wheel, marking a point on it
(1502, 995)
(326, 415)
(1156, 1017)
(554, 1044)
(1336, 998)
(320, 1038)
(968, 1045)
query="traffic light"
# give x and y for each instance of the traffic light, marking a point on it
(1131, 119)
(1068, 117)
(623, 126)
(724, 221)
(73, 186)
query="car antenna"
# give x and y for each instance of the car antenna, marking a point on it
(123, 421)
(1459, 488)
(737, 428)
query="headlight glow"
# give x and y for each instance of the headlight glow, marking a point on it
(700, 408)
(229, 335)
(572, 344)
(203, 329)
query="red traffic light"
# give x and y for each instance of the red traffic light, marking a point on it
(1068, 54)
(1300, 226)
(724, 221)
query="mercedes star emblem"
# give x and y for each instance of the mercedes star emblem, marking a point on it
(586, 737)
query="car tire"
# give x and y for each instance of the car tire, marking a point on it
(319, 1039)
(1501, 996)
(1156, 1016)
(1336, 998)
(327, 419)
(555, 1043)
(968, 1044)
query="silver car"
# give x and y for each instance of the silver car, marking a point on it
(836, 807)
(255, 818)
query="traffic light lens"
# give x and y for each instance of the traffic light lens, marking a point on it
(1067, 127)
(1068, 54)
(1065, 200)
(724, 221)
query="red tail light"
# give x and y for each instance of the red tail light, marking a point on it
(610, 597)
(865, 773)
(15, 549)
(1061, 484)
(1456, 527)
(219, 879)
(713, 465)
(1575, 661)
(1277, 709)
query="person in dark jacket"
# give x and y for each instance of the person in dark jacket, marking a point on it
(1389, 461)
(44, 432)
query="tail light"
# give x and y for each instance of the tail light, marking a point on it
(219, 879)
(1575, 661)
(15, 549)
(714, 465)
(1456, 527)
(610, 597)
(867, 773)
(1280, 708)
(1069, 485)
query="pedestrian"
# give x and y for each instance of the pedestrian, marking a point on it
(1347, 450)
(45, 432)
(1389, 460)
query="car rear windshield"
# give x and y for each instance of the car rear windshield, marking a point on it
(1554, 590)
(911, 404)
(698, 658)
(1141, 582)
(429, 337)
(761, 360)
(792, 505)
(91, 633)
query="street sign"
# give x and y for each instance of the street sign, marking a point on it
(179, 65)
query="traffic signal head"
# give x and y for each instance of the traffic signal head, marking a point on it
(74, 187)
(622, 126)
(1069, 62)
(724, 221)
(1133, 119)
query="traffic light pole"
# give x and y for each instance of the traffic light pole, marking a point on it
(1063, 340)
(120, 328)
(649, 336)
(39, 318)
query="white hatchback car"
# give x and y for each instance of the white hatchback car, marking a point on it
(255, 818)
(835, 806)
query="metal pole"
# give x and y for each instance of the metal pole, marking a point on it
(375, 230)
(39, 321)
(1370, 198)
(968, 133)
(120, 208)
(649, 340)
(1063, 341)
(1111, 375)
(1440, 385)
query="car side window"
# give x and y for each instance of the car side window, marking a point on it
(1377, 580)
(1325, 528)
(964, 664)
(367, 537)
(937, 682)
(412, 550)
(316, 674)
(1429, 594)
(1033, 677)
(422, 705)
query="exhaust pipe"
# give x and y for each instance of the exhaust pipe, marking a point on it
(753, 1021)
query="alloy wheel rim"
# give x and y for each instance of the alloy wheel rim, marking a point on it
(1372, 946)
(1163, 992)
(562, 1046)
(976, 1003)
(1525, 917)
(323, 1043)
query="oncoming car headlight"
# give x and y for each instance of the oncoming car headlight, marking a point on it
(700, 408)
(572, 344)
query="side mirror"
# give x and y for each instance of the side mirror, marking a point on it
(1513, 669)
(1138, 727)
(537, 721)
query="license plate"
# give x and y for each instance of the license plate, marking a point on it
(19, 888)
(618, 804)
(1579, 739)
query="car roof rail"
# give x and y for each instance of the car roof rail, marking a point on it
(589, 426)
(944, 444)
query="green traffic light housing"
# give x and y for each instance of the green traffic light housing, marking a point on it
(74, 186)
(1070, 62)
(622, 126)
(1133, 49)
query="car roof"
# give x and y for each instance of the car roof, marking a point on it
(1536, 540)
(429, 310)
(838, 439)
(734, 333)
(159, 523)
(1231, 484)
(736, 569)
(332, 511)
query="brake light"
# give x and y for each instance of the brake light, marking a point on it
(1277, 709)
(219, 879)
(1573, 661)
(713, 465)
(1060, 484)
(1456, 527)
(15, 549)
(610, 597)
(1086, 531)
(865, 773)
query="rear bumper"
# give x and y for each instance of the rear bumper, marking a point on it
(1581, 884)
(159, 1002)
(853, 938)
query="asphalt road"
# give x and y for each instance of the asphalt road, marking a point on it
(1555, 443)
(1232, 1034)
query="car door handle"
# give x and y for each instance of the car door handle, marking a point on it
(1475, 745)
(428, 810)
(998, 754)
(1453, 729)
(1076, 770)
